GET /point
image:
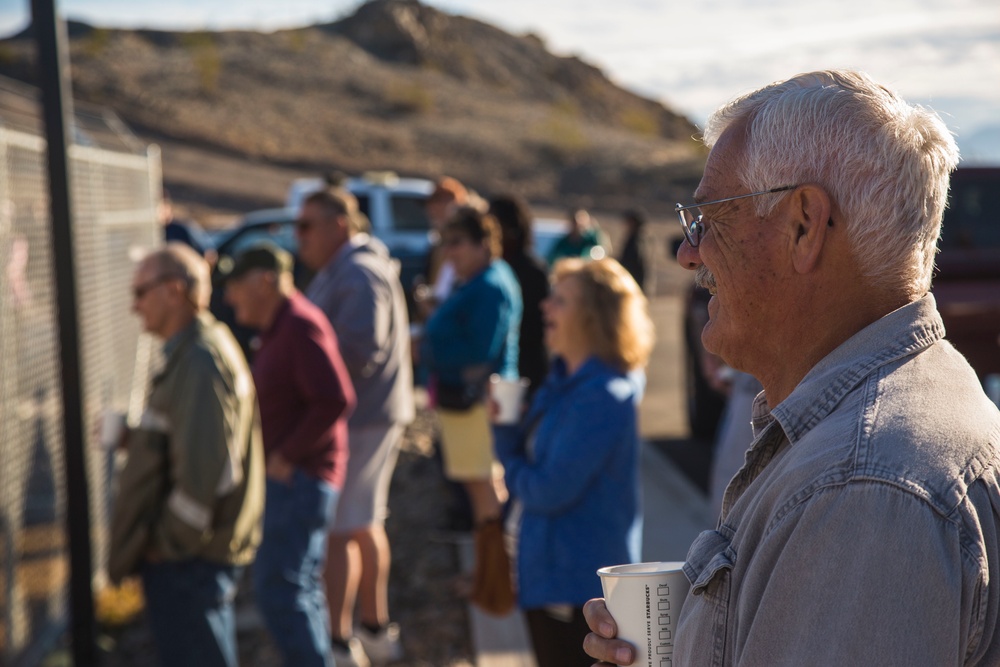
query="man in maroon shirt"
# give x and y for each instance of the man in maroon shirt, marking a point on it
(305, 397)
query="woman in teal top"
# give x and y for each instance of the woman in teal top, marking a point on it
(473, 334)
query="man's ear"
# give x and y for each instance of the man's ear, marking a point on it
(811, 213)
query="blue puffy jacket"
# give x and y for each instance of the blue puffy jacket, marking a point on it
(579, 488)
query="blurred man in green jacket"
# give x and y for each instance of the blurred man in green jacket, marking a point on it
(191, 497)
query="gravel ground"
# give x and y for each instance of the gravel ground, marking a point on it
(435, 625)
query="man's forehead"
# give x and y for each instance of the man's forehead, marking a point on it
(722, 165)
(145, 267)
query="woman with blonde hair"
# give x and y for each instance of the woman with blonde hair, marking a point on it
(571, 465)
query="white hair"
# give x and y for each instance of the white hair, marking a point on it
(884, 163)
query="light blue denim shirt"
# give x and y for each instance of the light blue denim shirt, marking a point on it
(864, 528)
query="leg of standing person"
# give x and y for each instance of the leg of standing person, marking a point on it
(189, 605)
(361, 574)
(557, 636)
(343, 571)
(289, 566)
(378, 635)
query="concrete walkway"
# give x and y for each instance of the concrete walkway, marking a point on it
(675, 512)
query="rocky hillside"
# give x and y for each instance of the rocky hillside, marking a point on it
(397, 85)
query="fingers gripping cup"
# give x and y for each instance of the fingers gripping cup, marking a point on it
(509, 397)
(645, 600)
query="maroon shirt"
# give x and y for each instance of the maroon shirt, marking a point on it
(304, 391)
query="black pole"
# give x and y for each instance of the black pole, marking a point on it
(50, 37)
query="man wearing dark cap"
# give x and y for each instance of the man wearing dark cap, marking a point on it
(305, 396)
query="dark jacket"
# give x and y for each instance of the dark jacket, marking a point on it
(533, 358)
(633, 257)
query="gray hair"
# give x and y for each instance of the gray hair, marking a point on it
(885, 163)
(339, 201)
(178, 260)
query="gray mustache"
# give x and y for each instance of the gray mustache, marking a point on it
(704, 278)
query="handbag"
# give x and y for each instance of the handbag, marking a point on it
(492, 584)
(459, 397)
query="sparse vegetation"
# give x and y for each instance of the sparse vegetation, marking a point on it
(8, 56)
(96, 42)
(640, 121)
(205, 56)
(563, 134)
(410, 97)
(451, 95)
(297, 40)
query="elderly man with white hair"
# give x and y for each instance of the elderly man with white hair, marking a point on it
(864, 528)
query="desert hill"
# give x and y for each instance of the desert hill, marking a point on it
(396, 85)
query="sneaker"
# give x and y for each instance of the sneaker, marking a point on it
(382, 646)
(352, 656)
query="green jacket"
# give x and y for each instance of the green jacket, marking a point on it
(193, 486)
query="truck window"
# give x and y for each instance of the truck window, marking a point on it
(408, 213)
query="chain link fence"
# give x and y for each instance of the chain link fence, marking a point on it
(116, 185)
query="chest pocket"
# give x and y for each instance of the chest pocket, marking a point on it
(703, 630)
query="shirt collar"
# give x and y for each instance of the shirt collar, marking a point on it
(901, 333)
(172, 343)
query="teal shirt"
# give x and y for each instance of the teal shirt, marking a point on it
(568, 247)
(475, 331)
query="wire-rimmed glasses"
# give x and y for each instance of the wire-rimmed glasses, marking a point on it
(691, 216)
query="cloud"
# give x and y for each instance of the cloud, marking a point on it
(693, 55)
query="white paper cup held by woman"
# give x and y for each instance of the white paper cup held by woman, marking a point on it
(645, 600)
(509, 397)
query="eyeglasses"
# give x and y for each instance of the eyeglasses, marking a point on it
(139, 292)
(692, 217)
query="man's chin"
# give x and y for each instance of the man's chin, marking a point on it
(709, 338)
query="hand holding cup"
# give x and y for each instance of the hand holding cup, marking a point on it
(645, 601)
(601, 643)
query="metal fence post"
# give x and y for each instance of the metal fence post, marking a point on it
(50, 36)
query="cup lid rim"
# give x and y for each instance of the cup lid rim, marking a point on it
(640, 569)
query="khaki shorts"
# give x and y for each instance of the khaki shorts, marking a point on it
(364, 500)
(466, 444)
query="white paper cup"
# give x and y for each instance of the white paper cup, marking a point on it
(112, 429)
(645, 600)
(509, 397)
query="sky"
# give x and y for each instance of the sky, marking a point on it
(692, 55)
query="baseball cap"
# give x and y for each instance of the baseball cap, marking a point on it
(264, 256)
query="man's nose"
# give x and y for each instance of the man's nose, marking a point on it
(687, 256)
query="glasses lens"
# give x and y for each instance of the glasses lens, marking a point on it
(691, 223)
(140, 291)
